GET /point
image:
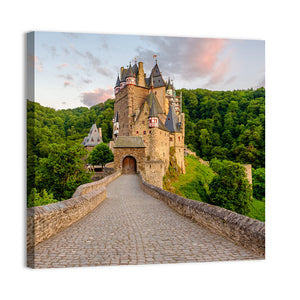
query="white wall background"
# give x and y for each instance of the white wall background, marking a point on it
(278, 23)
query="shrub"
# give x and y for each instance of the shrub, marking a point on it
(230, 188)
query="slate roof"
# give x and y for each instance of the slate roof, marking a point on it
(93, 138)
(153, 110)
(161, 125)
(158, 80)
(129, 142)
(118, 81)
(172, 120)
(135, 69)
(152, 99)
(130, 72)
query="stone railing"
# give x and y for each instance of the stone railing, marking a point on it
(47, 220)
(247, 232)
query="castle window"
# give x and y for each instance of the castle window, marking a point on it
(144, 132)
(137, 132)
(149, 131)
(143, 122)
(171, 139)
(179, 138)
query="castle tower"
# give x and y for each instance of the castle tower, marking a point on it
(130, 77)
(117, 86)
(147, 114)
(153, 117)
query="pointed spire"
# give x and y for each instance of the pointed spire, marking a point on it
(153, 110)
(118, 81)
(172, 120)
(151, 81)
(130, 72)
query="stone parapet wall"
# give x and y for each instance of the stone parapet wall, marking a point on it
(89, 187)
(47, 220)
(244, 231)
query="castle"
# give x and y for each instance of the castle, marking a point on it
(148, 122)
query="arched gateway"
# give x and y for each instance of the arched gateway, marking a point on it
(129, 165)
(129, 154)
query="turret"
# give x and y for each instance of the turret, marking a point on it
(117, 87)
(130, 77)
(153, 116)
(123, 78)
(169, 89)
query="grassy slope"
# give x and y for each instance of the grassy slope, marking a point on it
(194, 185)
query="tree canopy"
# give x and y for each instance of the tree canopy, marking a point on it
(230, 188)
(100, 155)
(226, 124)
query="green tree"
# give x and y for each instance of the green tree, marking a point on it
(62, 171)
(230, 188)
(258, 183)
(101, 155)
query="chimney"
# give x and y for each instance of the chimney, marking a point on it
(122, 69)
(140, 75)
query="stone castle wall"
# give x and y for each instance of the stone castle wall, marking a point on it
(247, 232)
(47, 220)
(137, 153)
(154, 172)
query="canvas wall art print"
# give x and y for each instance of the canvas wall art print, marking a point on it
(144, 150)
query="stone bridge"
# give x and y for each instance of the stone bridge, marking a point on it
(132, 227)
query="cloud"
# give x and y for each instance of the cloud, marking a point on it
(93, 61)
(34, 62)
(87, 81)
(231, 79)
(51, 49)
(96, 96)
(219, 72)
(59, 67)
(67, 77)
(188, 58)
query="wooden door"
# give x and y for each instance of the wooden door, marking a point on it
(129, 165)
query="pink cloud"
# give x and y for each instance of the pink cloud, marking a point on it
(96, 96)
(189, 58)
(67, 83)
(34, 62)
(219, 72)
(203, 55)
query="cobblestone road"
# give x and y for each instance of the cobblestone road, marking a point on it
(131, 227)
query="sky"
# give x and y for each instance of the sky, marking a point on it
(80, 69)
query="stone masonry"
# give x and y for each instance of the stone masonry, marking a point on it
(129, 228)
